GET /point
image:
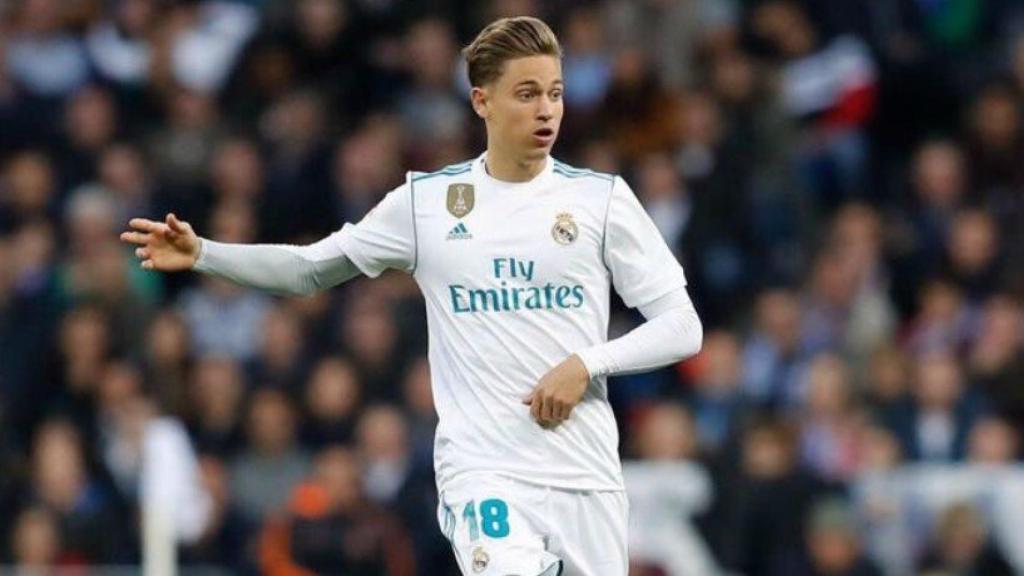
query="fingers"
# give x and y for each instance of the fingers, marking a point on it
(136, 237)
(562, 412)
(144, 225)
(174, 226)
(548, 411)
(145, 255)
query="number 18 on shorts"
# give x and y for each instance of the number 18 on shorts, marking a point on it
(504, 527)
(490, 533)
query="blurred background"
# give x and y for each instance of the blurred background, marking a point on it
(843, 181)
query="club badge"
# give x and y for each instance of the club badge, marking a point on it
(480, 560)
(564, 231)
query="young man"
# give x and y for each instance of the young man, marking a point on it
(515, 254)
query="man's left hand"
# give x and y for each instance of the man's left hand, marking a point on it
(558, 392)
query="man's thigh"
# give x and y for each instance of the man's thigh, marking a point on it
(497, 527)
(589, 532)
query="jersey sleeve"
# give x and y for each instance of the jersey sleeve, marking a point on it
(385, 237)
(642, 266)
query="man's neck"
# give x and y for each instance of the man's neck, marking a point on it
(507, 168)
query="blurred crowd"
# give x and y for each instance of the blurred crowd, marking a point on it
(843, 181)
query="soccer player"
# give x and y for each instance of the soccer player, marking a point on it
(515, 254)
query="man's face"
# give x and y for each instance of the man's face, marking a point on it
(523, 107)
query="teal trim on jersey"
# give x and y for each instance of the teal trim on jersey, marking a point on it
(469, 515)
(572, 172)
(604, 230)
(440, 173)
(571, 175)
(415, 234)
(452, 170)
(578, 173)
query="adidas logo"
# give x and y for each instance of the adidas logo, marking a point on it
(459, 232)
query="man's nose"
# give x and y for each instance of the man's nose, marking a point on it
(545, 110)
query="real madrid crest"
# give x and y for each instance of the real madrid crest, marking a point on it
(461, 198)
(564, 231)
(480, 560)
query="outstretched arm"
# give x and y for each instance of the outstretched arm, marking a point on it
(279, 268)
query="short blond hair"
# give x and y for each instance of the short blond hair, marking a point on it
(507, 39)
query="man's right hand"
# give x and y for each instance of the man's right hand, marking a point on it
(167, 246)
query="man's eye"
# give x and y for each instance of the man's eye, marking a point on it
(525, 95)
(556, 94)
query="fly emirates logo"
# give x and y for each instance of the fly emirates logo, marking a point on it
(514, 291)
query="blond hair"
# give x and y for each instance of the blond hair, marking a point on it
(507, 39)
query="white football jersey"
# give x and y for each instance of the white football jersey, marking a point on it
(516, 277)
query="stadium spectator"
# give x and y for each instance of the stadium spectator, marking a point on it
(92, 525)
(833, 543)
(418, 403)
(773, 353)
(36, 541)
(217, 390)
(44, 58)
(830, 427)
(332, 400)
(719, 407)
(936, 425)
(330, 528)
(263, 474)
(774, 497)
(668, 489)
(961, 545)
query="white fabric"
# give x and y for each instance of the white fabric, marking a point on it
(533, 528)
(278, 268)
(643, 267)
(385, 237)
(202, 57)
(936, 432)
(818, 81)
(122, 59)
(48, 66)
(664, 497)
(901, 506)
(171, 483)
(672, 332)
(506, 302)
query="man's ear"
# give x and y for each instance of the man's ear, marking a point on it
(479, 98)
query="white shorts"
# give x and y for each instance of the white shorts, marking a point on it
(499, 526)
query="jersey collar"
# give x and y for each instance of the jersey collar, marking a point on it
(481, 176)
